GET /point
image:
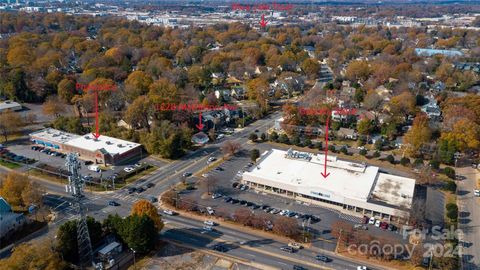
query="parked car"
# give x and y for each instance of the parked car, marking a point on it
(243, 202)
(216, 195)
(299, 267)
(384, 225)
(377, 223)
(476, 192)
(88, 162)
(219, 169)
(392, 227)
(234, 201)
(371, 221)
(210, 211)
(360, 227)
(128, 169)
(322, 258)
(235, 184)
(245, 187)
(227, 199)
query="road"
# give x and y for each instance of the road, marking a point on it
(243, 244)
(469, 218)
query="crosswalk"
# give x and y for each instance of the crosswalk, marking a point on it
(350, 218)
(126, 197)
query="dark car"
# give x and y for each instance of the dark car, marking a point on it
(234, 201)
(392, 227)
(219, 169)
(88, 162)
(220, 248)
(288, 249)
(113, 203)
(131, 190)
(254, 206)
(299, 267)
(243, 202)
(149, 185)
(140, 190)
(227, 199)
(322, 258)
(249, 204)
(235, 184)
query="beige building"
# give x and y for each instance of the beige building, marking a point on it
(352, 187)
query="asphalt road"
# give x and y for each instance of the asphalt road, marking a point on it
(469, 218)
(260, 250)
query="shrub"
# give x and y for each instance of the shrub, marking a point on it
(435, 164)
(451, 186)
(344, 150)
(319, 145)
(452, 211)
(284, 139)
(296, 141)
(390, 159)
(363, 152)
(331, 148)
(273, 136)
(376, 154)
(418, 161)
(308, 143)
(253, 137)
(405, 161)
(263, 136)
(449, 172)
(254, 154)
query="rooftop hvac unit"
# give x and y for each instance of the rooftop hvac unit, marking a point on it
(87, 137)
(119, 145)
(109, 142)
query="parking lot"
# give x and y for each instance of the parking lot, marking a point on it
(57, 160)
(229, 195)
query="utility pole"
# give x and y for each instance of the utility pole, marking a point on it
(75, 187)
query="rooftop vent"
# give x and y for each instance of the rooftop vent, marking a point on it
(119, 145)
(109, 142)
(87, 137)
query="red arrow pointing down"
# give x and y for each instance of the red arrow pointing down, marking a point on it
(263, 23)
(97, 133)
(200, 125)
(325, 174)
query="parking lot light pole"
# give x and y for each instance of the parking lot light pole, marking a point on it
(134, 266)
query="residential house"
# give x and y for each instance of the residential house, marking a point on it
(384, 93)
(9, 221)
(9, 105)
(223, 94)
(238, 92)
(347, 133)
(431, 108)
(310, 50)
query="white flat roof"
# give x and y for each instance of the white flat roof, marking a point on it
(54, 135)
(10, 105)
(112, 145)
(348, 181)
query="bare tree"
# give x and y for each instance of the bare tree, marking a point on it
(210, 183)
(230, 148)
(286, 226)
(426, 176)
(243, 216)
(188, 204)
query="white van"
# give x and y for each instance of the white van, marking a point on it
(94, 168)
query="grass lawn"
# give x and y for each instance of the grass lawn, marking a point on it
(9, 164)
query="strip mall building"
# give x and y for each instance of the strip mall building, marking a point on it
(351, 187)
(104, 150)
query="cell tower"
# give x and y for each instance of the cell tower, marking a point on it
(75, 187)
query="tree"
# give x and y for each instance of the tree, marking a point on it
(405, 161)
(452, 211)
(363, 152)
(210, 183)
(67, 237)
(263, 137)
(284, 139)
(139, 113)
(311, 67)
(54, 106)
(10, 122)
(137, 84)
(66, 90)
(139, 233)
(402, 105)
(464, 135)
(144, 207)
(365, 126)
(19, 191)
(253, 137)
(358, 70)
(273, 136)
(373, 102)
(418, 135)
(449, 172)
(285, 226)
(230, 147)
(257, 89)
(34, 256)
(390, 159)
(254, 154)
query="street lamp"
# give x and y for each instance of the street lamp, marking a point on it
(134, 266)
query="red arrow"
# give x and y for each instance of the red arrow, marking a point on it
(325, 174)
(96, 134)
(200, 125)
(263, 23)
